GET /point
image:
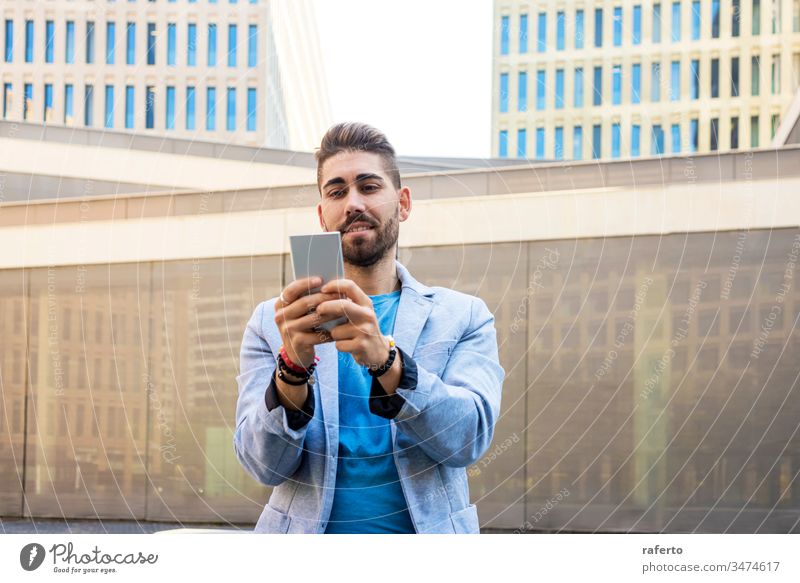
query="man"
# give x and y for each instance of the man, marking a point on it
(404, 395)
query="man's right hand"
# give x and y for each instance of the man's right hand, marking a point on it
(295, 317)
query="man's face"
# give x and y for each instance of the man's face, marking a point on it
(360, 201)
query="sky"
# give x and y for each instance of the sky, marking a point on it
(420, 71)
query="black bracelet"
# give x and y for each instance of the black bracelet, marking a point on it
(376, 372)
(285, 379)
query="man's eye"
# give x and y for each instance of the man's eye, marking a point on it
(371, 187)
(334, 193)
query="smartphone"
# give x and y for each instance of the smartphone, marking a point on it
(319, 255)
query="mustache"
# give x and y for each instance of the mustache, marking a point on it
(359, 219)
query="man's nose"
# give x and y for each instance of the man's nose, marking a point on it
(355, 201)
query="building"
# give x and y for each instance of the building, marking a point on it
(622, 79)
(646, 311)
(231, 72)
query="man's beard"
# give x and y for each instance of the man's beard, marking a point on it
(363, 253)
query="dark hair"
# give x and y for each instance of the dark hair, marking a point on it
(357, 137)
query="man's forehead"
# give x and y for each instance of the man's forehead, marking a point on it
(349, 165)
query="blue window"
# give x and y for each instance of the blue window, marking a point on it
(27, 103)
(714, 18)
(560, 33)
(29, 41)
(523, 34)
(50, 38)
(150, 108)
(559, 88)
(577, 143)
(694, 138)
(696, 20)
(230, 123)
(541, 44)
(48, 102)
(656, 23)
(522, 146)
(734, 133)
(130, 44)
(109, 121)
(111, 36)
(675, 81)
(713, 134)
(579, 31)
(502, 145)
(69, 48)
(655, 82)
(675, 135)
(615, 140)
(735, 77)
(7, 95)
(170, 121)
(676, 21)
(211, 108)
(231, 45)
(714, 77)
(503, 92)
(129, 106)
(69, 104)
(616, 84)
(252, 108)
(755, 76)
(577, 97)
(597, 143)
(657, 140)
(636, 83)
(522, 92)
(151, 43)
(598, 27)
(9, 46)
(90, 42)
(618, 26)
(504, 35)
(736, 18)
(540, 90)
(172, 41)
(252, 45)
(636, 138)
(191, 103)
(212, 45)
(756, 17)
(597, 86)
(694, 76)
(637, 25)
(559, 143)
(88, 106)
(540, 143)
(191, 45)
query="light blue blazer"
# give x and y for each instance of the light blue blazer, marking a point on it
(446, 423)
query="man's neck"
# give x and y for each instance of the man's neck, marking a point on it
(380, 278)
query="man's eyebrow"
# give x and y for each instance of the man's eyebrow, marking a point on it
(359, 178)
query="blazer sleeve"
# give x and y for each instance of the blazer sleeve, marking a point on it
(268, 444)
(452, 418)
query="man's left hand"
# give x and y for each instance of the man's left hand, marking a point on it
(361, 335)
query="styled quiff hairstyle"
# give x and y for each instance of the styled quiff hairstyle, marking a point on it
(357, 137)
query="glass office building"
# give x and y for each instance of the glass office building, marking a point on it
(162, 63)
(723, 72)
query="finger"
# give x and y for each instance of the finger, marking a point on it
(299, 288)
(353, 312)
(302, 306)
(350, 289)
(308, 322)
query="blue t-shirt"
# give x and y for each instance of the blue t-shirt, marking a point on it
(369, 497)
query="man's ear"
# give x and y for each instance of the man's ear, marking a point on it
(405, 203)
(321, 220)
